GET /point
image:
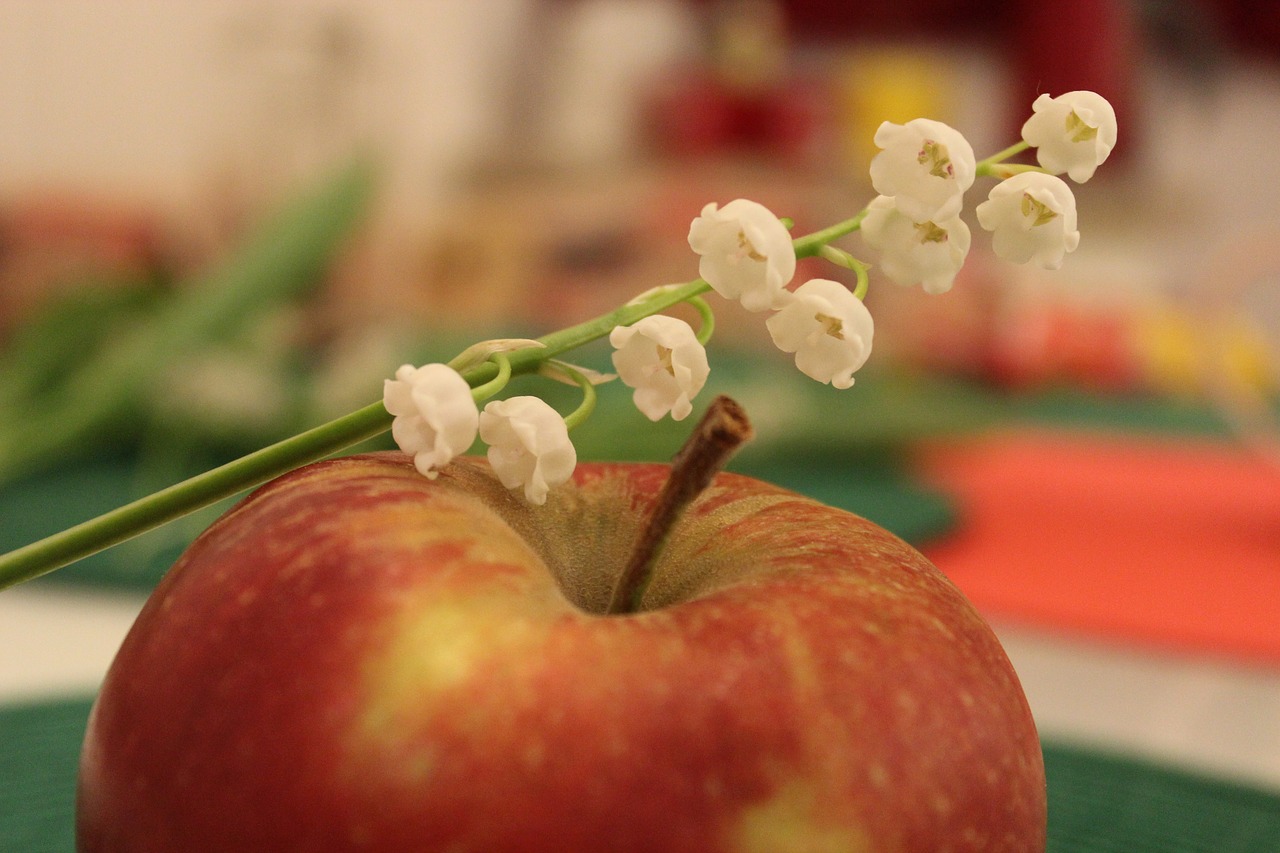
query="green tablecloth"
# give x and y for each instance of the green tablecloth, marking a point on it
(1098, 803)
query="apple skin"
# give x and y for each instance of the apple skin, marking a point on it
(358, 658)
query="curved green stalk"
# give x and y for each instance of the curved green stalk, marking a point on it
(588, 404)
(707, 327)
(496, 384)
(863, 281)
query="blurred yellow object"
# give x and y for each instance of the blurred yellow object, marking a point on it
(1188, 354)
(891, 83)
(1248, 358)
(1168, 349)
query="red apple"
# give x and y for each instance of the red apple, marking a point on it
(358, 658)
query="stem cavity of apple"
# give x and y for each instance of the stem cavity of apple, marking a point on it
(723, 429)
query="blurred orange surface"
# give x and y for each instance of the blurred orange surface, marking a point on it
(1171, 543)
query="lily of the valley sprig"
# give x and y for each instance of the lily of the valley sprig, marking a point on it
(746, 253)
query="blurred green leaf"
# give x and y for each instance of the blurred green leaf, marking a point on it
(282, 260)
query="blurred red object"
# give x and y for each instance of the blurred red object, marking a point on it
(52, 243)
(699, 114)
(1064, 47)
(743, 97)
(1063, 344)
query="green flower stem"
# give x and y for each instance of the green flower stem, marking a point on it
(986, 167)
(707, 327)
(1008, 170)
(156, 509)
(860, 270)
(588, 404)
(118, 525)
(841, 258)
(811, 244)
(496, 384)
(573, 337)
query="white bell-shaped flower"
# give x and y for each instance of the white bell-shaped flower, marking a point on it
(529, 445)
(435, 416)
(926, 253)
(1072, 133)
(746, 253)
(1032, 217)
(828, 328)
(925, 166)
(661, 358)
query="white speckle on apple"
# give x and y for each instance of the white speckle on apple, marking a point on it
(878, 775)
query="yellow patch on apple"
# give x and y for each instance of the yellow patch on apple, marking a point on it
(789, 822)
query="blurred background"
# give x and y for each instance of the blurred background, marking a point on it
(224, 222)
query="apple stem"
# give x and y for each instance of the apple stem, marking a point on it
(722, 430)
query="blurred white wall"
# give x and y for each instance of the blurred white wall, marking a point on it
(153, 100)
(171, 104)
